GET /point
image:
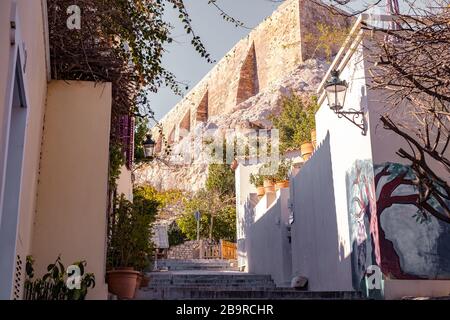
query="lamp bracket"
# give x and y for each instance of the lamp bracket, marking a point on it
(355, 117)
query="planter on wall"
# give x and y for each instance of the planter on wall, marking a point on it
(145, 281)
(260, 191)
(306, 150)
(282, 184)
(314, 138)
(269, 186)
(234, 164)
(122, 282)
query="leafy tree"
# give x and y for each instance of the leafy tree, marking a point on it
(175, 234)
(140, 134)
(221, 180)
(129, 242)
(218, 221)
(295, 122)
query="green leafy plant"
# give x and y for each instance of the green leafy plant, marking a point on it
(53, 285)
(257, 180)
(267, 167)
(116, 161)
(295, 121)
(221, 179)
(283, 171)
(140, 134)
(218, 216)
(175, 234)
(129, 242)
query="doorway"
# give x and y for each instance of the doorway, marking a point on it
(16, 117)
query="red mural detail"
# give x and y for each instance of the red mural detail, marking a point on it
(390, 261)
(383, 249)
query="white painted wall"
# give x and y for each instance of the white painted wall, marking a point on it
(320, 232)
(125, 183)
(245, 201)
(268, 247)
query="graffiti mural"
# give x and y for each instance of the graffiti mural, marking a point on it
(390, 229)
(361, 202)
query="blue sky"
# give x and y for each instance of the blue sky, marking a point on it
(218, 36)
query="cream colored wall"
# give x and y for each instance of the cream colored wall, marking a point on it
(30, 37)
(72, 193)
(125, 183)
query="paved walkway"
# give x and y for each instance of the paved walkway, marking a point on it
(211, 280)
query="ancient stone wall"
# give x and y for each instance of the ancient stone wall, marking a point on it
(185, 251)
(272, 50)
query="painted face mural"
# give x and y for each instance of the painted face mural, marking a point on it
(390, 229)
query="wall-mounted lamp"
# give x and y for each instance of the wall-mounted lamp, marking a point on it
(336, 90)
(149, 147)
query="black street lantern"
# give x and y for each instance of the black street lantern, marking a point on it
(336, 89)
(149, 147)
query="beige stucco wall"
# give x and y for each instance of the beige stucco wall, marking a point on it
(72, 192)
(125, 183)
(30, 37)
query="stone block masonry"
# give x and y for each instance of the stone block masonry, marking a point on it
(187, 250)
(273, 49)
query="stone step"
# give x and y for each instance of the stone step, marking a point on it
(200, 264)
(244, 281)
(212, 287)
(196, 293)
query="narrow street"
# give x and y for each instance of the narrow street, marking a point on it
(204, 279)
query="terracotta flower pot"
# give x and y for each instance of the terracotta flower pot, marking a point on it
(282, 184)
(269, 186)
(145, 281)
(260, 191)
(306, 150)
(138, 282)
(234, 164)
(122, 282)
(314, 138)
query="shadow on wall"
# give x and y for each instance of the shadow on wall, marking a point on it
(317, 252)
(247, 221)
(268, 246)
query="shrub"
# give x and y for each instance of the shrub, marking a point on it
(221, 179)
(257, 180)
(295, 122)
(176, 235)
(129, 243)
(218, 218)
(53, 285)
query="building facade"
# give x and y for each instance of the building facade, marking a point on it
(54, 151)
(271, 51)
(348, 221)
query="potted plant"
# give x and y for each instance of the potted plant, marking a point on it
(129, 246)
(306, 150)
(57, 284)
(258, 181)
(282, 175)
(234, 164)
(268, 176)
(269, 183)
(314, 138)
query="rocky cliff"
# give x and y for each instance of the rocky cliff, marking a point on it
(251, 113)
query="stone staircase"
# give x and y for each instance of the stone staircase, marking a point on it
(217, 280)
(196, 264)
